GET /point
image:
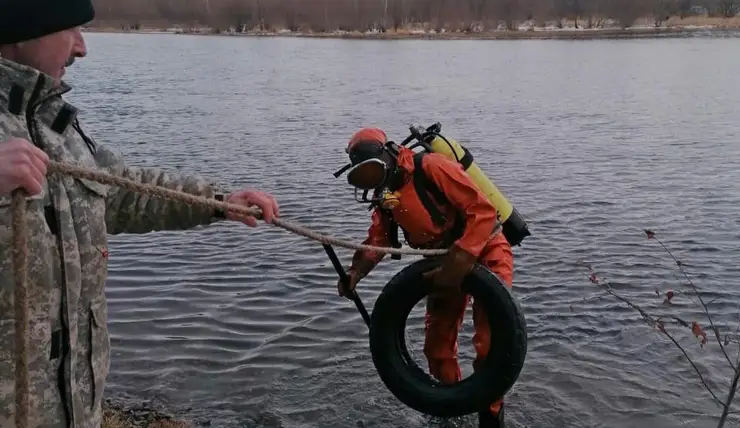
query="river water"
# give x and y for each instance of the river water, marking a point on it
(592, 141)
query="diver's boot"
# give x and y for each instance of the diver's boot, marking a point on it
(489, 420)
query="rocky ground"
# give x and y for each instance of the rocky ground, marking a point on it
(139, 416)
(147, 415)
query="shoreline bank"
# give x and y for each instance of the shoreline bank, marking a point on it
(138, 416)
(530, 34)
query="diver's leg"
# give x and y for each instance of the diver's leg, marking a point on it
(498, 257)
(442, 321)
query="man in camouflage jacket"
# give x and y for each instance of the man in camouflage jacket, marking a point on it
(68, 218)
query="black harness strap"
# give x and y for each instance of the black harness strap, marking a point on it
(420, 185)
(424, 189)
(424, 185)
(467, 159)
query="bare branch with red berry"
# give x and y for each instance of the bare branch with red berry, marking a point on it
(661, 322)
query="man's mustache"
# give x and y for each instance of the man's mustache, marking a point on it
(70, 61)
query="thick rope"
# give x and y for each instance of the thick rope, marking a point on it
(20, 254)
(20, 272)
(162, 192)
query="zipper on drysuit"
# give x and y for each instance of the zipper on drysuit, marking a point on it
(60, 347)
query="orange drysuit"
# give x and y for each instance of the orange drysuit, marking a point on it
(444, 316)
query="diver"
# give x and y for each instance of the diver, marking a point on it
(403, 183)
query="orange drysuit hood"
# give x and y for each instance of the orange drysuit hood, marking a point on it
(372, 164)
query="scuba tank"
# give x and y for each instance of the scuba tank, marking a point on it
(514, 227)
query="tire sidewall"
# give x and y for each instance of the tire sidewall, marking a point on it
(496, 374)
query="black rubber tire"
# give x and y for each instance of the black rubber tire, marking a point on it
(412, 385)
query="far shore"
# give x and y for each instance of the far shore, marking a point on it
(674, 27)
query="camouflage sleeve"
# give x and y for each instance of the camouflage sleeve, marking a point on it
(132, 212)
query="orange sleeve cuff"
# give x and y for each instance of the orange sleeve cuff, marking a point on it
(377, 235)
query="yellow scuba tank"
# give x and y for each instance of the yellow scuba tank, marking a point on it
(514, 226)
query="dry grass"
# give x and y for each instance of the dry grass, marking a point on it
(705, 21)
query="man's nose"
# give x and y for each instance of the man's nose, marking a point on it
(79, 49)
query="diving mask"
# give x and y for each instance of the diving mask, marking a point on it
(373, 178)
(369, 172)
(372, 164)
(368, 175)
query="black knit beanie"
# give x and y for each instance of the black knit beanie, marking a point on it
(22, 20)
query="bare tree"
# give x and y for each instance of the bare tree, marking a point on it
(684, 8)
(508, 11)
(663, 323)
(625, 11)
(728, 8)
(241, 15)
(595, 12)
(662, 10)
(723, 8)
(568, 9)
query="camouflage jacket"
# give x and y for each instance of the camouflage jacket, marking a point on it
(69, 347)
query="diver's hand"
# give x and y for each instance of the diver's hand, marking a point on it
(447, 279)
(348, 290)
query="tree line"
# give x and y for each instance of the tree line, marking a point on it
(382, 15)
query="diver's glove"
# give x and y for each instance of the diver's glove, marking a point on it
(347, 290)
(359, 269)
(447, 279)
